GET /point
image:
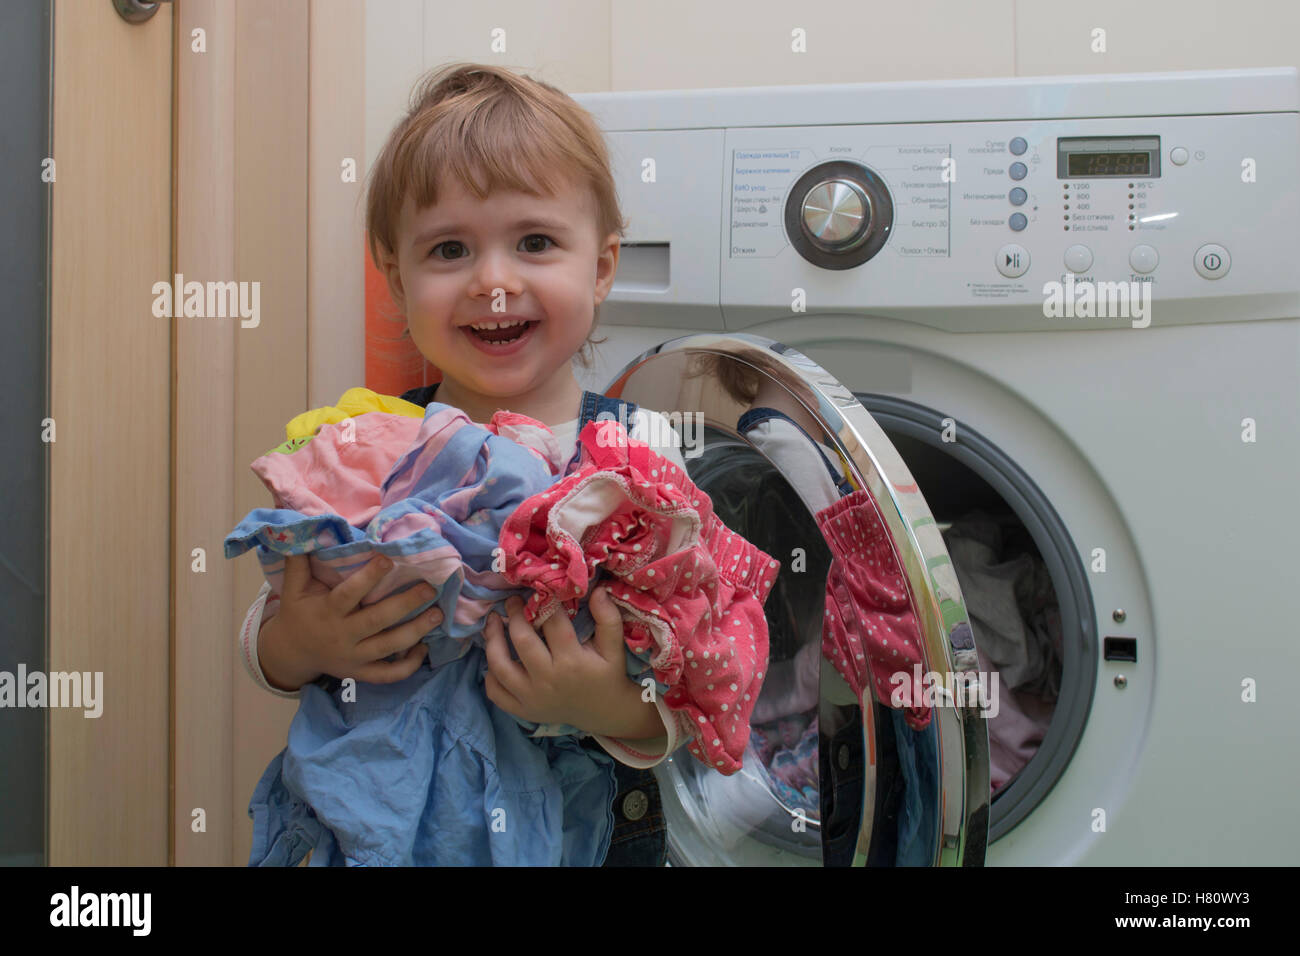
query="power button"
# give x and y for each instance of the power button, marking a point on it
(1212, 261)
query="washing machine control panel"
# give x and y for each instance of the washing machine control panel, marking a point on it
(1012, 225)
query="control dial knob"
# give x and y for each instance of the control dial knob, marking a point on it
(838, 214)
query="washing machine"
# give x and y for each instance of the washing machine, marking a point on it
(1042, 336)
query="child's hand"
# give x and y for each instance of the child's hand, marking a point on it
(563, 681)
(319, 630)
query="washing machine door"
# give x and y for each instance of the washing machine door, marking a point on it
(867, 745)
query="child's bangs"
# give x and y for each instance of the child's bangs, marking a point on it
(489, 150)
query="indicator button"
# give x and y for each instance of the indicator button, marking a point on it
(1018, 171)
(1143, 259)
(1018, 146)
(1078, 259)
(1178, 156)
(1017, 196)
(1012, 260)
(1212, 261)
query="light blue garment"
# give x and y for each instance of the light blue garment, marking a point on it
(428, 771)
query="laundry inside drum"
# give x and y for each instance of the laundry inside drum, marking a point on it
(1009, 596)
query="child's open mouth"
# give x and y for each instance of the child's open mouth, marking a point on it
(501, 339)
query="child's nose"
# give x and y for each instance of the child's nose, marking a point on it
(495, 270)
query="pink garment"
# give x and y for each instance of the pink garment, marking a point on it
(1017, 732)
(533, 435)
(791, 687)
(690, 589)
(870, 631)
(340, 470)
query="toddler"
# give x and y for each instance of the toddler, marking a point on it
(493, 215)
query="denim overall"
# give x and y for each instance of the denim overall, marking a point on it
(640, 835)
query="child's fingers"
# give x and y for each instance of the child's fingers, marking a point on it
(347, 595)
(396, 640)
(385, 672)
(532, 651)
(510, 674)
(609, 622)
(297, 569)
(561, 638)
(499, 695)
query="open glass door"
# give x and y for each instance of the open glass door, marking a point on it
(867, 742)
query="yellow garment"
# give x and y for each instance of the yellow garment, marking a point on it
(355, 401)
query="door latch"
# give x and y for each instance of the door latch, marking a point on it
(137, 11)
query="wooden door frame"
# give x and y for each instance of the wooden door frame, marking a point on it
(260, 137)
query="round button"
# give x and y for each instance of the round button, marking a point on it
(1017, 221)
(1017, 196)
(1018, 171)
(1018, 146)
(635, 804)
(1078, 258)
(1012, 260)
(1212, 261)
(837, 214)
(1178, 156)
(842, 757)
(1143, 259)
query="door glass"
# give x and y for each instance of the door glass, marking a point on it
(844, 761)
(25, 68)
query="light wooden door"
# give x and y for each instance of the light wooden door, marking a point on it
(182, 147)
(110, 400)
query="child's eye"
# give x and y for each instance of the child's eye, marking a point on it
(434, 250)
(452, 242)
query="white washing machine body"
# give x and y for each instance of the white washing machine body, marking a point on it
(905, 237)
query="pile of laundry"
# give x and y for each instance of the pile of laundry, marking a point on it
(787, 752)
(1017, 624)
(427, 771)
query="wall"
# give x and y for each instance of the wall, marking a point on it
(598, 45)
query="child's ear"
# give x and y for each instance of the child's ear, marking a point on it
(394, 276)
(606, 266)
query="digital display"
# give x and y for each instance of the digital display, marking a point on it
(1098, 157)
(1109, 164)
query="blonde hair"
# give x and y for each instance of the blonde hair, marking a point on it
(741, 381)
(493, 130)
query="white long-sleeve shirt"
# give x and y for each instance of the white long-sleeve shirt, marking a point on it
(648, 426)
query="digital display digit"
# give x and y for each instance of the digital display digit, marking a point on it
(1099, 157)
(1109, 164)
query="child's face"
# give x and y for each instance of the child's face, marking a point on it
(539, 256)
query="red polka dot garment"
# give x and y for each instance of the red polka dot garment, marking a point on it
(870, 631)
(691, 590)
